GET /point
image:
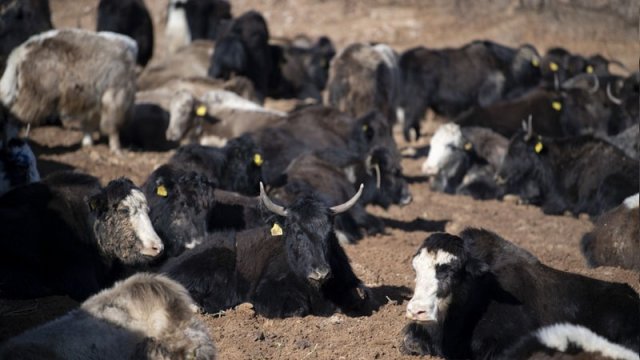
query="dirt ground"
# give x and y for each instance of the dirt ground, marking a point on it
(382, 262)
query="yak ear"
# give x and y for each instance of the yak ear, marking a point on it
(476, 267)
(97, 203)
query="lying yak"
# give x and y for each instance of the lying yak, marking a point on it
(615, 241)
(143, 317)
(292, 267)
(477, 294)
(186, 205)
(90, 235)
(581, 174)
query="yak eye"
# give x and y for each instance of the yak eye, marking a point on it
(124, 211)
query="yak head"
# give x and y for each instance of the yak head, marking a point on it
(306, 227)
(121, 223)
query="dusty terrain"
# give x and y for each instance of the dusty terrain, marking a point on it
(382, 262)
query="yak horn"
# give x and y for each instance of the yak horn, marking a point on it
(376, 168)
(571, 83)
(620, 65)
(529, 128)
(346, 206)
(277, 209)
(26, 132)
(611, 97)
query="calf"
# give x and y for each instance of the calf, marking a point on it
(363, 78)
(294, 267)
(131, 18)
(615, 241)
(86, 78)
(185, 206)
(477, 294)
(567, 341)
(582, 174)
(450, 81)
(92, 236)
(143, 317)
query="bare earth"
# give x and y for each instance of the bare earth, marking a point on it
(382, 262)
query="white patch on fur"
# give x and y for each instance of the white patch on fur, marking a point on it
(425, 305)
(193, 243)
(177, 30)
(222, 99)
(632, 202)
(139, 218)
(559, 336)
(446, 136)
(343, 239)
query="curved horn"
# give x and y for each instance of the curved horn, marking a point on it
(346, 206)
(611, 97)
(621, 65)
(277, 209)
(26, 132)
(574, 83)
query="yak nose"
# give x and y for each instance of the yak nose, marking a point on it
(153, 250)
(419, 315)
(319, 275)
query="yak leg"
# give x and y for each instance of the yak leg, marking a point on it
(115, 109)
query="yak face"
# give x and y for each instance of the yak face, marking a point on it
(180, 202)
(242, 171)
(523, 165)
(385, 179)
(17, 165)
(307, 231)
(439, 265)
(372, 130)
(442, 147)
(122, 226)
(186, 114)
(525, 66)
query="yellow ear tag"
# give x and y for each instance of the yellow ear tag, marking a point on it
(589, 69)
(535, 62)
(92, 204)
(161, 191)
(201, 110)
(276, 230)
(257, 159)
(538, 148)
(556, 105)
(468, 146)
(365, 127)
(553, 66)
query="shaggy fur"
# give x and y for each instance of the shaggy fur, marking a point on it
(362, 79)
(86, 79)
(303, 271)
(92, 236)
(615, 241)
(143, 317)
(450, 81)
(497, 293)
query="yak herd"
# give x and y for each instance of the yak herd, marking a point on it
(255, 205)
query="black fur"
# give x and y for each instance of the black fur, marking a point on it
(232, 167)
(131, 18)
(580, 174)
(272, 272)
(65, 236)
(207, 19)
(500, 292)
(427, 78)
